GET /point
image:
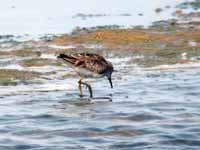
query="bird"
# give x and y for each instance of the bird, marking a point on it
(88, 65)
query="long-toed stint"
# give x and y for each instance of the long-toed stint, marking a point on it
(88, 65)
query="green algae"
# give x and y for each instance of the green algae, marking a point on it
(21, 53)
(39, 62)
(163, 57)
(13, 77)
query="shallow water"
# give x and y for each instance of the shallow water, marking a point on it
(152, 108)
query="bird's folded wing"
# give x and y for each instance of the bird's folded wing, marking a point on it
(95, 66)
(92, 62)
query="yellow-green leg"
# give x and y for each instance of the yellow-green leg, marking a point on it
(80, 88)
(88, 86)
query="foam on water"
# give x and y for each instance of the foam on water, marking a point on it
(61, 47)
(189, 65)
(53, 86)
(13, 66)
(48, 56)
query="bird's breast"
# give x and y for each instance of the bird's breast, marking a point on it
(87, 73)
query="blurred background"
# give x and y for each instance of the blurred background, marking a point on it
(36, 17)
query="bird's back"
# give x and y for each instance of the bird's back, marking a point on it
(84, 62)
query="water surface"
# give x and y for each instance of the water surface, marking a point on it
(152, 108)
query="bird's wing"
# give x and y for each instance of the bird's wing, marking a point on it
(96, 66)
(87, 56)
(92, 62)
(67, 58)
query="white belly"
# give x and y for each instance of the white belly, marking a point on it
(87, 74)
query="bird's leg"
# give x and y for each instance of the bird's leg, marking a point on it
(89, 87)
(90, 90)
(80, 88)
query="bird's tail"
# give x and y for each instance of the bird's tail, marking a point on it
(67, 58)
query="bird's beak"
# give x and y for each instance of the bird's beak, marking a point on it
(110, 80)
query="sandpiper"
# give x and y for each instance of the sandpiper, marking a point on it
(88, 65)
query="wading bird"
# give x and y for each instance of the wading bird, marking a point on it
(88, 65)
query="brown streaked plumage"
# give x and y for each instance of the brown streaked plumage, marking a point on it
(88, 65)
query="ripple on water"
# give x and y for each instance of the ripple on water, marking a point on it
(139, 117)
(183, 142)
(129, 145)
